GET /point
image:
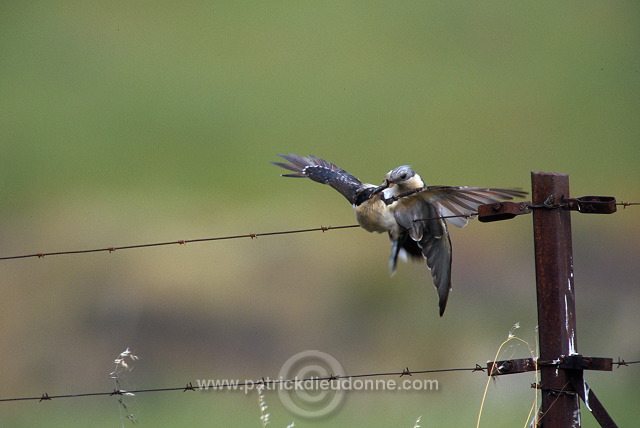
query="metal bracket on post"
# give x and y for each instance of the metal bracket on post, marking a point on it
(585, 204)
(502, 211)
(569, 362)
(575, 366)
(592, 204)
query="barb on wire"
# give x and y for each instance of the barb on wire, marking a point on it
(622, 362)
(627, 204)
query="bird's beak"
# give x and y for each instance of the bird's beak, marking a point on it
(380, 188)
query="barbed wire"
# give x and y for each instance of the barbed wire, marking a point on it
(178, 242)
(222, 385)
(247, 235)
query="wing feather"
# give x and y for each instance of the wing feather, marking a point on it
(437, 251)
(419, 219)
(324, 172)
(463, 201)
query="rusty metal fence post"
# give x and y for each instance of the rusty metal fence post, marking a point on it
(562, 382)
(556, 303)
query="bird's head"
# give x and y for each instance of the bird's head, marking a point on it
(400, 175)
(404, 177)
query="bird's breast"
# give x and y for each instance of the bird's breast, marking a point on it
(375, 216)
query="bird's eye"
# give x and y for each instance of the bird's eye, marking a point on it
(403, 176)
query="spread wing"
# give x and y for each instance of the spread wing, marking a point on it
(453, 201)
(420, 214)
(324, 172)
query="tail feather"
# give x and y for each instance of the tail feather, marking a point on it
(404, 246)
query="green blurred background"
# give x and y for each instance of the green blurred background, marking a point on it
(135, 121)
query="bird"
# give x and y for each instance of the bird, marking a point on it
(413, 214)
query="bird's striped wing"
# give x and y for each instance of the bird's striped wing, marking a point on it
(323, 172)
(463, 202)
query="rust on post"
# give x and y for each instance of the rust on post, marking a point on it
(555, 295)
